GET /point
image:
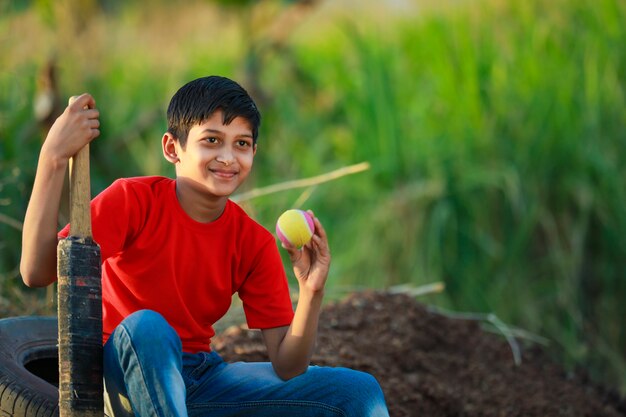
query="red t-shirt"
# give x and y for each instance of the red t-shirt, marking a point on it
(154, 256)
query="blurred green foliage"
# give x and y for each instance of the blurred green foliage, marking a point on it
(495, 133)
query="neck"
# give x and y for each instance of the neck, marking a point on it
(197, 204)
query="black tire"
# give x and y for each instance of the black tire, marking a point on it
(29, 372)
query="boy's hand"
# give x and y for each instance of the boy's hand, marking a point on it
(76, 127)
(312, 262)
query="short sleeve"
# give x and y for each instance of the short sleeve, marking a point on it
(265, 292)
(115, 218)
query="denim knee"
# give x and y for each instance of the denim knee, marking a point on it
(371, 385)
(149, 328)
(143, 363)
(365, 381)
(359, 393)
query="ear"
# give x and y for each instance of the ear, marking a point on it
(168, 143)
(254, 149)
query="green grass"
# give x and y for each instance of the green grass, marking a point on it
(495, 133)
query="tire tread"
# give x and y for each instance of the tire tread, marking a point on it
(19, 401)
(19, 395)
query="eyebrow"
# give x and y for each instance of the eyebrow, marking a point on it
(216, 131)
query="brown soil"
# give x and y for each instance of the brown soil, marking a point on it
(432, 365)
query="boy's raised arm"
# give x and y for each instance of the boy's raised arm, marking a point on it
(77, 126)
(290, 348)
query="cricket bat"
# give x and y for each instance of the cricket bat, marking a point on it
(80, 303)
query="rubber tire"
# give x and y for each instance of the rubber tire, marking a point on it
(29, 373)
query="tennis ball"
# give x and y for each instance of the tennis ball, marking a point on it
(295, 228)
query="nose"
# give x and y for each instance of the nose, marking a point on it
(225, 158)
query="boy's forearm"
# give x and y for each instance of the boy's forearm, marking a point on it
(39, 235)
(297, 347)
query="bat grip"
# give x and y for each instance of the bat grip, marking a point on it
(80, 192)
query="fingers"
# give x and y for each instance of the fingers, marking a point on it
(84, 106)
(294, 255)
(89, 122)
(316, 252)
(319, 239)
(84, 101)
(94, 125)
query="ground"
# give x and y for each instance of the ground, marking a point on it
(430, 364)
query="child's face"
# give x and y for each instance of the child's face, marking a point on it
(217, 157)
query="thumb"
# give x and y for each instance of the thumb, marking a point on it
(294, 253)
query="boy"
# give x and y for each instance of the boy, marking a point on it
(174, 252)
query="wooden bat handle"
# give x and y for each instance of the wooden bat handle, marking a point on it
(80, 192)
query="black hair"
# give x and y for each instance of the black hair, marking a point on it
(197, 100)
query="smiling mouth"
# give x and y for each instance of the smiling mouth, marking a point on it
(224, 174)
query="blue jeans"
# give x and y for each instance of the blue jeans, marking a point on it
(146, 373)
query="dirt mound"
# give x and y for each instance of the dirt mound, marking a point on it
(432, 365)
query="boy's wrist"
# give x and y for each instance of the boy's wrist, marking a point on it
(310, 295)
(49, 161)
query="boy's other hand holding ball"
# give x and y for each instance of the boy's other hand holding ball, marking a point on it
(304, 237)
